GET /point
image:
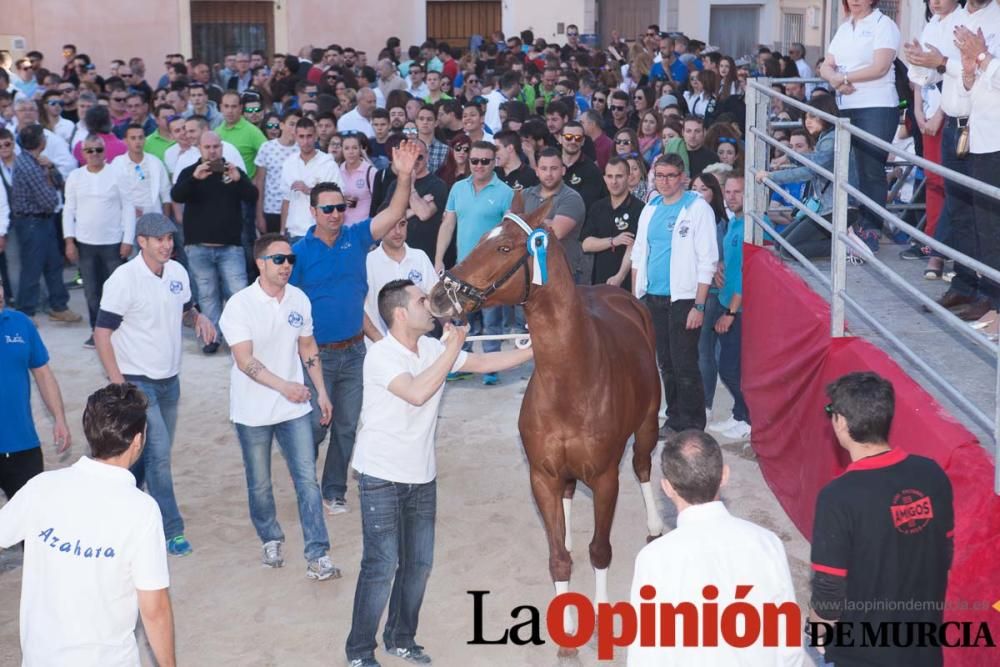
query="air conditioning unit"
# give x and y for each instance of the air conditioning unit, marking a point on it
(16, 44)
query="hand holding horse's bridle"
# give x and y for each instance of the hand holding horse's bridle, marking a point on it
(455, 287)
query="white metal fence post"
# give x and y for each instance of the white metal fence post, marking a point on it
(838, 250)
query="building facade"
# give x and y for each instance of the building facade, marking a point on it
(209, 28)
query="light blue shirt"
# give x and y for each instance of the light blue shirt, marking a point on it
(732, 255)
(661, 234)
(478, 212)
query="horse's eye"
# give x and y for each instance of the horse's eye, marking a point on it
(504, 249)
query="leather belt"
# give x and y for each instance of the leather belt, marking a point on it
(341, 344)
(957, 122)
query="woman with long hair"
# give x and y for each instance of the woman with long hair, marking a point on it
(272, 125)
(859, 66)
(357, 174)
(729, 82)
(803, 233)
(730, 152)
(708, 186)
(637, 177)
(649, 136)
(672, 129)
(50, 109)
(701, 97)
(456, 165)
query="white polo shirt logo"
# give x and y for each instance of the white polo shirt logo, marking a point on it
(415, 276)
(176, 287)
(295, 319)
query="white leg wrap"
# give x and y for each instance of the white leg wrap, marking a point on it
(567, 505)
(569, 624)
(653, 522)
(601, 585)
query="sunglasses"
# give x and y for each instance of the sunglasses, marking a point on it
(472, 80)
(280, 259)
(618, 107)
(118, 99)
(96, 150)
(54, 103)
(464, 148)
(572, 34)
(330, 208)
(6, 144)
(272, 126)
(410, 131)
(601, 99)
(480, 161)
(623, 142)
(578, 138)
(251, 109)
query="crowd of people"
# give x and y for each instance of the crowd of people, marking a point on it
(299, 208)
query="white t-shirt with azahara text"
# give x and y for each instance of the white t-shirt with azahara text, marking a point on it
(91, 541)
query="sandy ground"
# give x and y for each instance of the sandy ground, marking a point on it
(229, 610)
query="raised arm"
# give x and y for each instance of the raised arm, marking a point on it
(404, 158)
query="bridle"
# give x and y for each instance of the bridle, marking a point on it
(455, 287)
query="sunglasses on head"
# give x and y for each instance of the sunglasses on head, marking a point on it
(330, 208)
(578, 138)
(96, 150)
(480, 161)
(280, 259)
(618, 107)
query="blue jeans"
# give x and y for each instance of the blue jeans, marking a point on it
(867, 169)
(397, 522)
(212, 267)
(727, 346)
(342, 374)
(40, 257)
(957, 222)
(97, 263)
(296, 443)
(153, 466)
(708, 349)
(986, 168)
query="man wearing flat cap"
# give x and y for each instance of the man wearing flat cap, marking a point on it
(138, 338)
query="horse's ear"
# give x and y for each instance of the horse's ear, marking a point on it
(538, 217)
(517, 204)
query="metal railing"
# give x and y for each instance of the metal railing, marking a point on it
(756, 198)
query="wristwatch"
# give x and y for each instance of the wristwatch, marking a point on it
(730, 313)
(943, 67)
(981, 57)
(700, 307)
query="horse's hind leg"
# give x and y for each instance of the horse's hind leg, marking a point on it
(605, 490)
(567, 503)
(642, 464)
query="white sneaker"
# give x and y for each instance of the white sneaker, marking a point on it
(740, 431)
(336, 506)
(724, 425)
(321, 569)
(272, 554)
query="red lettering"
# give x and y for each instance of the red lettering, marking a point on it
(607, 640)
(668, 623)
(751, 624)
(584, 615)
(793, 624)
(647, 617)
(710, 617)
(918, 509)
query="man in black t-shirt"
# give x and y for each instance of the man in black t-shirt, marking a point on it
(609, 229)
(581, 173)
(427, 203)
(510, 168)
(882, 538)
(699, 156)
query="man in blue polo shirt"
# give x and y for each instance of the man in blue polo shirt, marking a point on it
(331, 269)
(476, 205)
(21, 351)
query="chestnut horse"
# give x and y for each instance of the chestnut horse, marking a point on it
(595, 382)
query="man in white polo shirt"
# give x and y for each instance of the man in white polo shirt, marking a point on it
(98, 223)
(392, 260)
(404, 376)
(270, 331)
(138, 338)
(93, 548)
(299, 173)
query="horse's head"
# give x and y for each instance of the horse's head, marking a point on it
(499, 269)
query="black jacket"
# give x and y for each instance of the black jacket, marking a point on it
(213, 209)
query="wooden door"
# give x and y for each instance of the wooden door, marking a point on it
(628, 17)
(454, 21)
(223, 27)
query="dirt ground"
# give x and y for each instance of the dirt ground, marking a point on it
(229, 610)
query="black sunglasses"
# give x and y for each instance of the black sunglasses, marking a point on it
(617, 107)
(96, 149)
(482, 161)
(280, 259)
(330, 208)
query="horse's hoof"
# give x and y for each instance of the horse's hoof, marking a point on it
(565, 653)
(650, 538)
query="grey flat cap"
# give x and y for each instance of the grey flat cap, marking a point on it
(154, 224)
